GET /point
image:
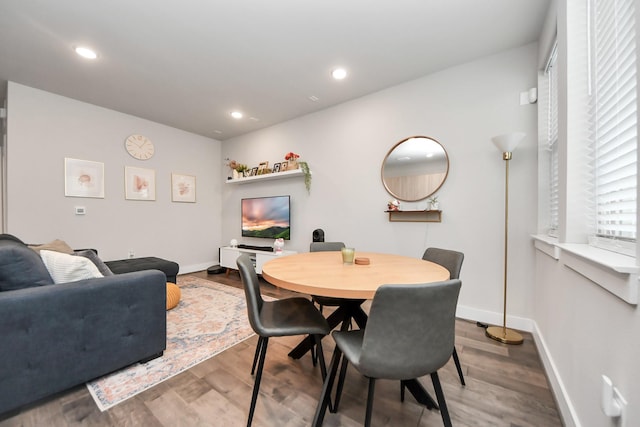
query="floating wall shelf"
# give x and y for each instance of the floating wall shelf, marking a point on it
(415, 216)
(266, 177)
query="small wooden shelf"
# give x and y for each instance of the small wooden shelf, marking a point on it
(266, 177)
(415, 216)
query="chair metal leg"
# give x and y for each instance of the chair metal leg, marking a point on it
(255, 357)
(372, 385)
(346, 324)
(256, 384)
(402, 387)
(458, 367)
(343, 374)
(314, 356)
(325, 396)
(444, 412)
(320, 356)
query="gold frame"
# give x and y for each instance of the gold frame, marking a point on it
(262, 168)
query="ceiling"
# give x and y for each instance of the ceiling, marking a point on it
(189, 64)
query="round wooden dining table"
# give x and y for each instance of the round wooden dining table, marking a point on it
(324, 274)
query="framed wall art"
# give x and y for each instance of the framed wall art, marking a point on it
(140, 184)
(183, 188)
(83, 178)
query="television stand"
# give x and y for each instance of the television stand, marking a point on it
(256, 248)
(229, 255)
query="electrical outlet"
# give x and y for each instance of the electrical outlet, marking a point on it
(613, 404)
(623, 407)
(131, 253)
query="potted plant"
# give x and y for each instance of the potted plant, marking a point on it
(240, 168)
(307, 175)
(237, 169)
(292, 158)
(433, 201)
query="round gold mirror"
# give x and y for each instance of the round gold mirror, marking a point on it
(415, 168)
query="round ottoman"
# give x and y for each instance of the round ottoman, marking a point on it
(173, 295)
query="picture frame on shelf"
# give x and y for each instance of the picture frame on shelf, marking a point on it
(183, 188)
(83, 178)
(140, 183)
(276, 167)
(254, 171)
(262, 168)
(283, 166)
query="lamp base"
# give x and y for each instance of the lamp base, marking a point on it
(504, 335)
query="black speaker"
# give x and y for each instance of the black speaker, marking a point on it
(318, 235)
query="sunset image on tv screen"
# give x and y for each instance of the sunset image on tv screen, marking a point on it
(267, 217)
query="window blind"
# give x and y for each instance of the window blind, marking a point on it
(552, 140)
(614, 106)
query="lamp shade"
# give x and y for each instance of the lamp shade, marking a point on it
(509, 141)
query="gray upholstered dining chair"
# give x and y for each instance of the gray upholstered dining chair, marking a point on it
(279, 318)
(323, 301)
(425, 314)
(322, 247)
(452, 261)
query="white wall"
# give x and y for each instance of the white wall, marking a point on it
(586, 332)
(583, 331)
(461, 107)
(44, 128)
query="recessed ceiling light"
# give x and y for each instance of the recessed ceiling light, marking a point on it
(314, 98)
(236, 114)
(85, 52)
(339, 73)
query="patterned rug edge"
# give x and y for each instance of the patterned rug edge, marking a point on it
(105, 403)
(104, 407)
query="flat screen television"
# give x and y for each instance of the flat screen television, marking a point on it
(266, 217)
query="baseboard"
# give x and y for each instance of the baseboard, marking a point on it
(193, 268)
(567, 411)
(493, 318)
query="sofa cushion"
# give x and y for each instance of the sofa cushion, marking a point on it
(169, 268)
(57, 246)
(10, 237)
(65, 268)
(94, 258)
(20, 267)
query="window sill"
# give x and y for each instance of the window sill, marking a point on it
(614, 272)
(547, 245)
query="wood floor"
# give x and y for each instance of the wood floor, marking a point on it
(506, 386)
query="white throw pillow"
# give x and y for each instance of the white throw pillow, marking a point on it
(65, 268)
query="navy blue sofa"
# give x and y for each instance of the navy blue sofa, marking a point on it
(56, 336)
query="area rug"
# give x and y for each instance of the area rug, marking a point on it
(209, 319)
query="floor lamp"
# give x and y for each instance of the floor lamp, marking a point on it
(506, 143)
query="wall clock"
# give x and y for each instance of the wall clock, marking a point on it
(140, 147)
